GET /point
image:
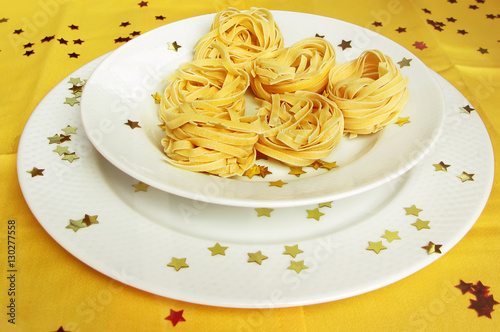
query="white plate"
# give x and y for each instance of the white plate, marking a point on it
(139, 232)
(120, 89)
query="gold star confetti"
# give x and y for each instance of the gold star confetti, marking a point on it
(75, 225)
(292, 250)
(254, 170)
(466, 109)
(257, 257)
(441, 167)
(432, 248)
(402, 121)
(162, 126)
(296, 170)
(314, 214)
(466, 177)
(36, 172)
(76, 88)
(174, 46)
(413, 210)
(264, 170)
(297, 266)
(376, 246)
(69, 130)
(132, 124)
(65, 138)
(178, 263)
(75, 80)
(391, 236)
(71, 101)
(156, 97)
(404, 63)
(317, 164)
(278, 183)
(264, 212)
(141, 186)
(60, 150)
(56, 139)
(218, 250)
(90, 220)
(329, 166)
(70, 157)
(420, 224)
(326, 204)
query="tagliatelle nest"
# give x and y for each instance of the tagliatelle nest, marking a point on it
(302, 67)
(299, 128)
(370, 91)
(245, 34)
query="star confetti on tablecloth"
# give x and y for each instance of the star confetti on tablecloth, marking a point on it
(178, 263)
(160, 17)
(46, 39)
(140, 186)
(36, 172)
(400, 30)
(482, 50)
(28, 45)
(484, 302)
(292, 250)
(174, 46)
(29, 52)
(125, 24)
(217, 249)
(18, 31)
(297, 266)
(73, 27)
(61, 329)
(376, 246)
(264, 212)
(345, 44)
(441, 167)
(466, 177)
(142, 4)
(462, 32)
(377, 24)
(62, 41)
(421, 224)
(420, 45)
(3, 20)
(413, 210)
(314, 214)
(78, 41)
(74, 55)
(432, 248)
(132, 124)
(256, 257)
(175, 317)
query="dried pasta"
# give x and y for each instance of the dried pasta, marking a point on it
(370, 91)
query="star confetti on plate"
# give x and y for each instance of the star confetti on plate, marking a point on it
(345, 44)
(404, 62)
(292, 250)
(174, 46)
(466, 109)
(175, 317)
(178, 263)
(132, 124)
(466, 177)
(256, 257)
(140, 186)
(420, 224)
(266, 212)
(391, 236)
(314, 214)
(376, 246)
(325, 204)
(441, 167)
(432, 248)
(217, 249)
(413, 210)
(36, 172)
(297, 266)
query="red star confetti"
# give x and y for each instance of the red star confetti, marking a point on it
(36, 172)
(132, 124)
(483, 303)
(78, 41)
(473, 7)
(61, 329)
(175, 317)
(420, 45)
(452, 1)
(466, 109)
(29, 45)
(142, 4)
(462, 32)
(47, 39)
(73, 27)
(29, 52)
(62, 41)
(482, 50)
(451, 19)
(74, 55)
(135, 33)
(465, 287)
(400, 30)
(377, 24)
(125, 24)
(427, 11)
(3, 20)
(18, 31)
(160, 17)
(122, 39)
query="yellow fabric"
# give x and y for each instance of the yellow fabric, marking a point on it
(55, 289)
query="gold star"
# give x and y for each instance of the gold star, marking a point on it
(329, 166)
(413, 210)
(264, 212)
(156, 97)
(178, 263)
(441, 167)
(132, 124)
(376, 246)
(317, 164)
(69, 130)
(292, 250)
(326, 204)
(297, 266)
(404, 63)
(254, 170)
(90, 220)
(257, 257)
(314, 214)
(296, 170)
(162, 126)
(174, 46)
(75, 225)
(70, 157)
(264, 171)
(466, 177)
(141, 186)
(402, 121)
(71, 101)
(391, 236)
(75, 80)
(218, 250)
(60, 150)
(420, 224)
(278, 183)
(35, 172)
(56, 139)
(432, 248)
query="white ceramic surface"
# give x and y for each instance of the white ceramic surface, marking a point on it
(120, 89)
(139, 232)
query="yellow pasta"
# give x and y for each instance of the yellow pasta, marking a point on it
(370, 91)
(245, 34)
(299, 128)
(302, 67)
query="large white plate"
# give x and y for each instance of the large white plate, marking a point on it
(139, 232)
(120, 89)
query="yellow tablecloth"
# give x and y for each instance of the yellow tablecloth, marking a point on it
(55, 291)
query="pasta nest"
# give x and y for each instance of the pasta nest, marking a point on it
(370, 91)
(303, 66)
(299, 128)
(201, 137)
(245, 34)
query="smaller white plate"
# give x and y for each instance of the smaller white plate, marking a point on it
(120, 90)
